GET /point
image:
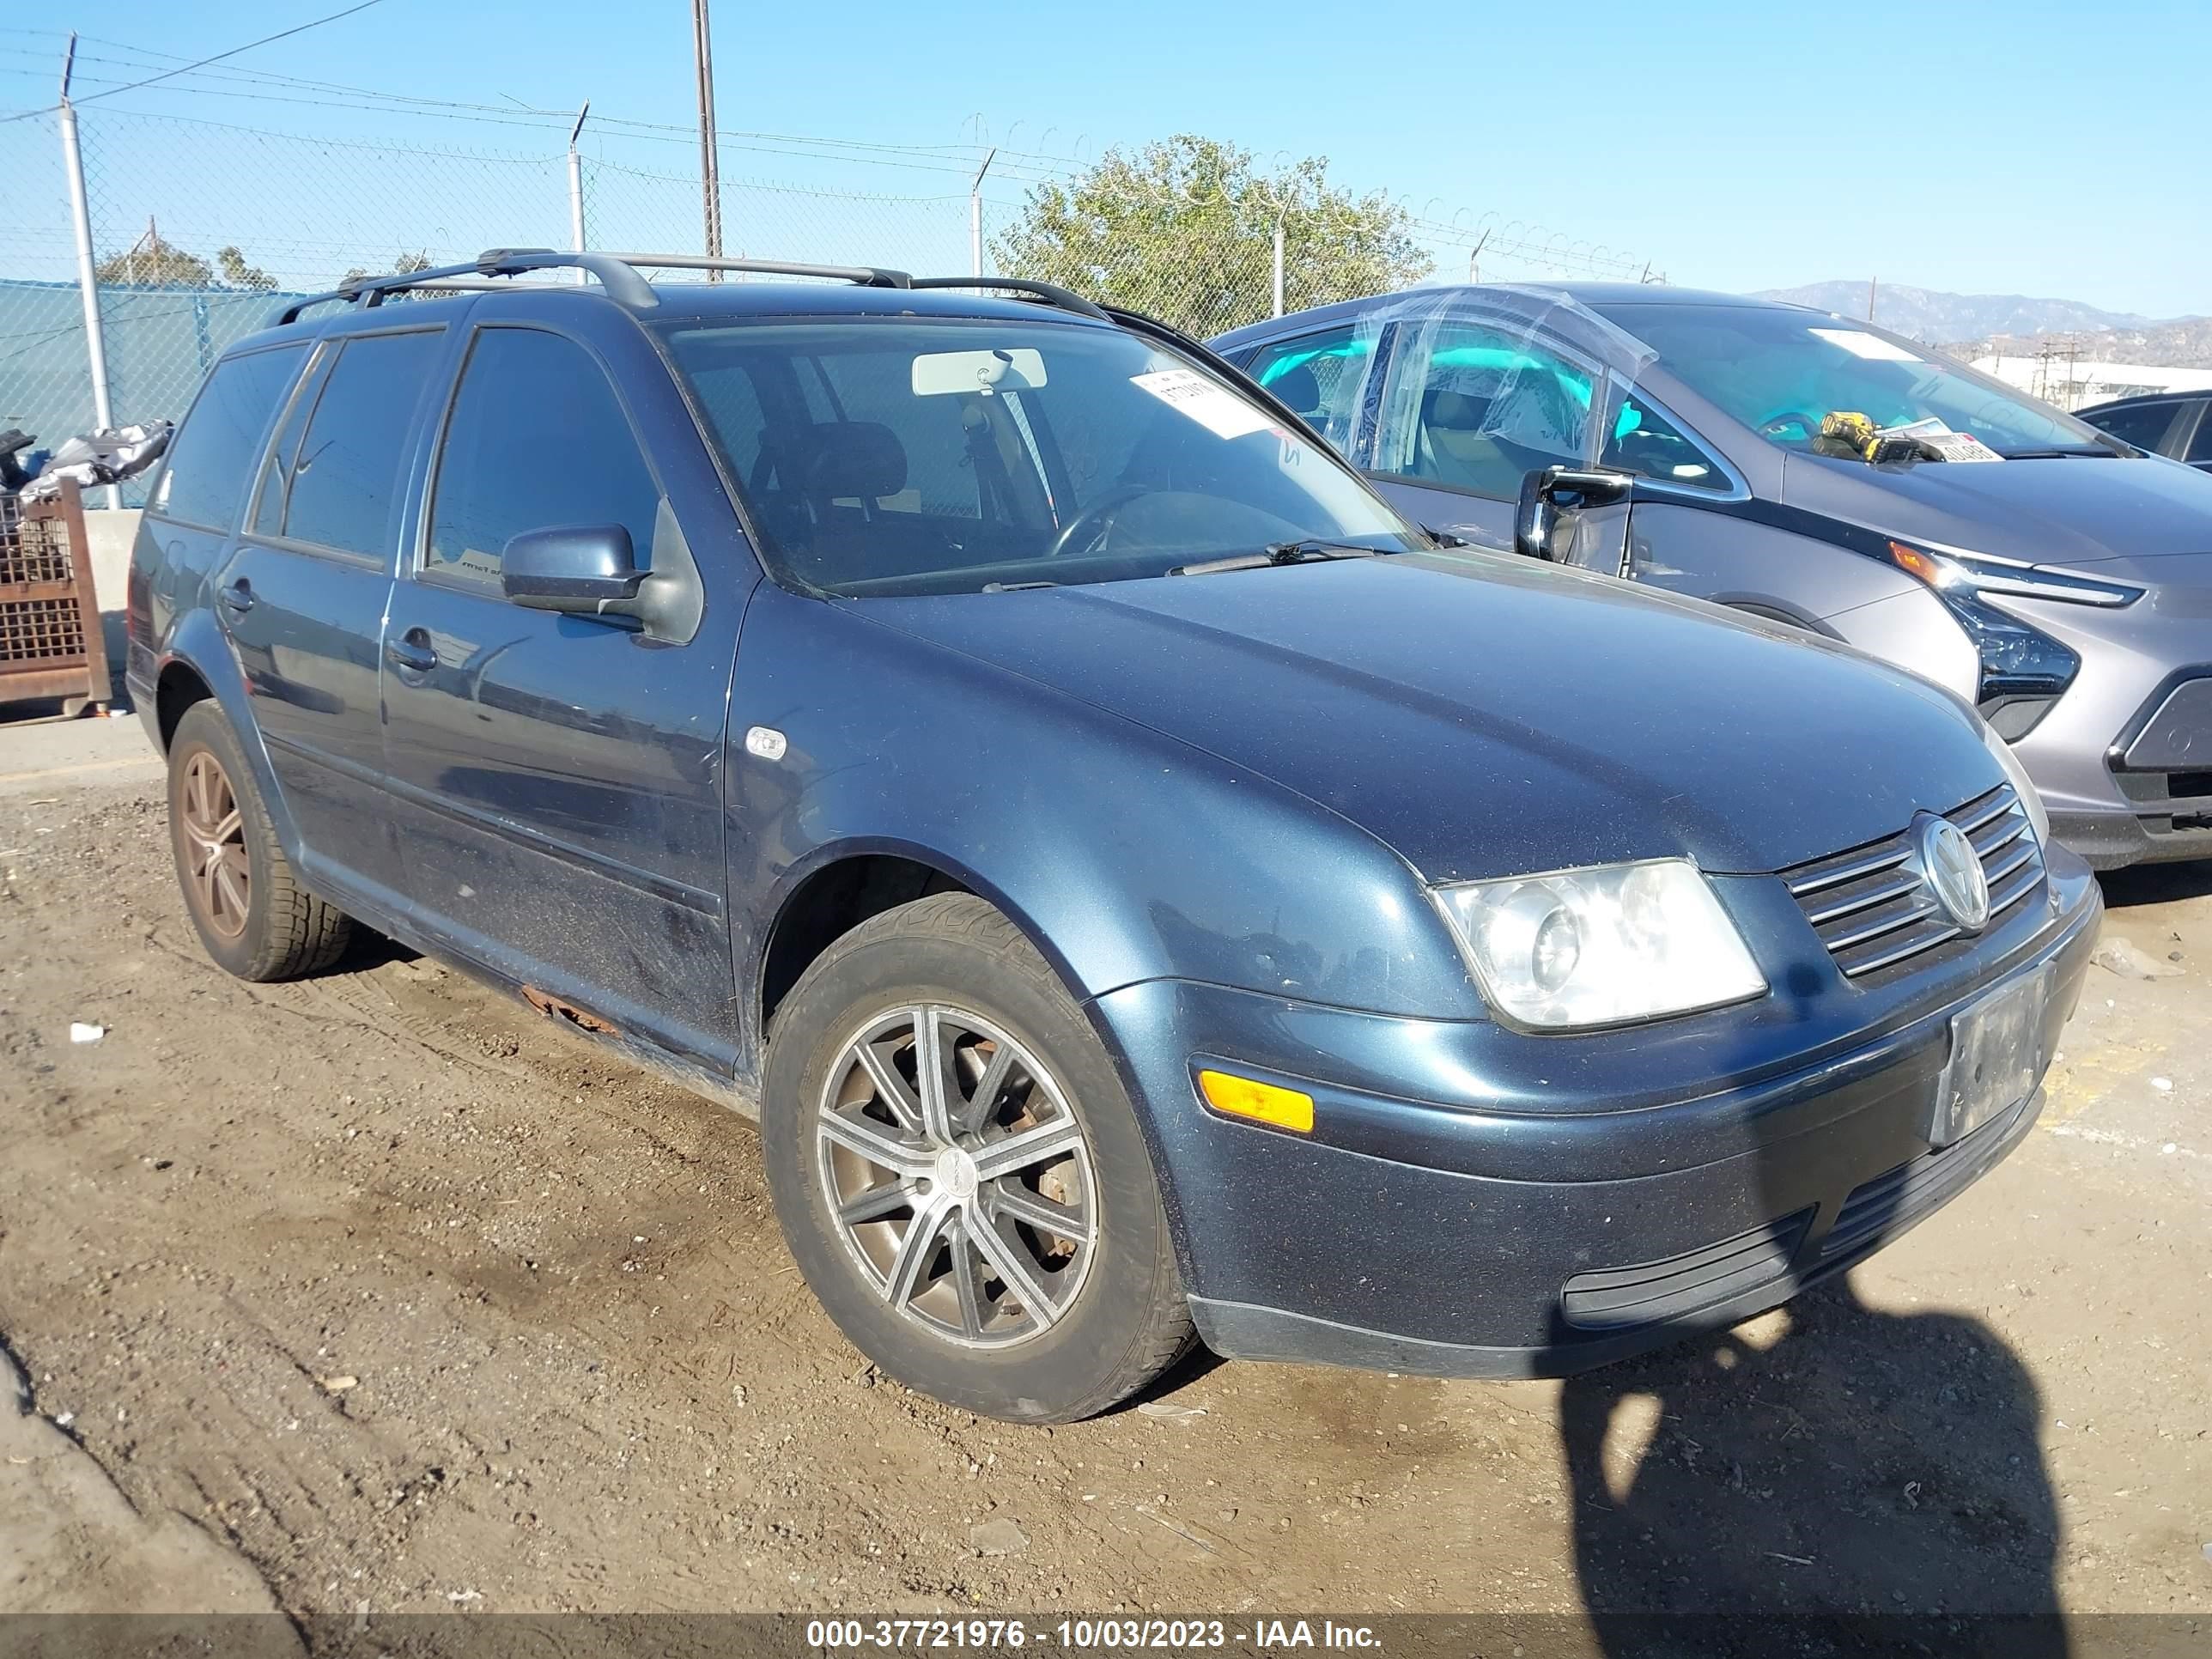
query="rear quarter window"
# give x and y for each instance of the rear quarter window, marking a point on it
(205, 477)
(343, 484)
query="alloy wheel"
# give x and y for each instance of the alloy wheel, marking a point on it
(217, 875)
(957, 1175)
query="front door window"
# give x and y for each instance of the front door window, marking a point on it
(1478, 407)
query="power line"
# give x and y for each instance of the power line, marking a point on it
(266, 40)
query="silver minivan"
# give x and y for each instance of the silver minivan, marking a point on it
(1820, 471)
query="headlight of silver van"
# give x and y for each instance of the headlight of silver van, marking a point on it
(1603, 946)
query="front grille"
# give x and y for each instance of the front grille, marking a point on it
(1871, 906)
(1617, 1299)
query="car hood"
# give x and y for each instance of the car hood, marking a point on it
(2072, 510)
(1486, 715)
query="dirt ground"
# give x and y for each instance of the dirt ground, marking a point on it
(377, 1292)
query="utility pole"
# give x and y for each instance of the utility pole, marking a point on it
(1871, 282)
(976, 215)
(710, 175)
(87, 283)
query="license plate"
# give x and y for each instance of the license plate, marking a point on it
(1997, 1058)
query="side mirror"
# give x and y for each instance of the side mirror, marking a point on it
(584, 569)
(1549, 490)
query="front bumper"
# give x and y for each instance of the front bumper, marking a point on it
(1477, 1202)
(2161, 768)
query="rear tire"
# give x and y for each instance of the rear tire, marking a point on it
(250, 911)
(1043, 1288)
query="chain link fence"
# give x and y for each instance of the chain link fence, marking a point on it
(200, 228)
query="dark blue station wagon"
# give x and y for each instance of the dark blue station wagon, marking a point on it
(1146, 889)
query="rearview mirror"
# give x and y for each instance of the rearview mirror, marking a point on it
(584, 569)
(1550, 490)
(942, 373)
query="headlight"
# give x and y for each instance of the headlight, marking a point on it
(2039, 815)
(2024, 671)
(1601, 946)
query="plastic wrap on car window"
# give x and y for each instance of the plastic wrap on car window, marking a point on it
(1518, 370)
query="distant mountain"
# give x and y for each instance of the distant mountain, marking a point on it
(1941, 319)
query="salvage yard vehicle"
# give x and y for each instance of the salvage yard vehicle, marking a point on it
(2063, 584)
(2170, 423)
(1142, 887)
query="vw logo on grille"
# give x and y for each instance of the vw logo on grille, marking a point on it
(1954, 874)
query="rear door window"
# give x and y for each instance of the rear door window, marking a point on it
(1319, 376)
(1478, 408)
(2200, 448)
(205, 477)
(340, 487)
(536, 440)
(2143, 425)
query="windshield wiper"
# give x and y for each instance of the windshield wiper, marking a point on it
(1014, 587)
(2057, 452)
(1299, 552)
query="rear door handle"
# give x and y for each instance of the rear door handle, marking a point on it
(238, 597)
(412, 652)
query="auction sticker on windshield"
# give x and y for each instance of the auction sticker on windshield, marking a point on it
(1872, 347)
(1217, 409)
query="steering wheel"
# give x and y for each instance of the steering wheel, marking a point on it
(1087, 528)
(1772, 426)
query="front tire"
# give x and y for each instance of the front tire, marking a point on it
(960, 1173)
(250, 911)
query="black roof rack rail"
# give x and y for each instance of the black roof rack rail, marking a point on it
(866, 276)
(617, 274)
(621, 280)
(1066, 298)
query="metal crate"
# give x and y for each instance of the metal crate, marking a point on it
(51, 645)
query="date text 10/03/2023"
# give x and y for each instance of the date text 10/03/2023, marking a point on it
(1106, 1635)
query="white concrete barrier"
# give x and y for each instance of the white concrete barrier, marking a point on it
(108, 533)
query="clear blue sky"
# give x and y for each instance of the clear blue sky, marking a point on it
(1983, 148)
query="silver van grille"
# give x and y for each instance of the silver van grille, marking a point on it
(1871, 907)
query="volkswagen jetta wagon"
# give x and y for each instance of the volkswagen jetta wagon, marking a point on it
(1144, 891)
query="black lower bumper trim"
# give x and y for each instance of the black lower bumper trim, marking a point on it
(1880, 1210)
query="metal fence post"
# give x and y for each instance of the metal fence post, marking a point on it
(576, 189)
(87, 282)
(1278, 264)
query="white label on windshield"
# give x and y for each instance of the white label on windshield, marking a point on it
(1961, 446)
(1872, 347)
(1216, 408)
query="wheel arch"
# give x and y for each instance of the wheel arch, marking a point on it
(840, 886)
(198, 667)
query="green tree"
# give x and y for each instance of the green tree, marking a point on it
(1184, 229)
(154, 262)
(236, 273)
(403, 264)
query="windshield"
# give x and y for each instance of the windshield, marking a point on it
(898, 456)
(1780, 371)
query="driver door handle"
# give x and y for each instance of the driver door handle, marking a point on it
(412, 652)
(238, 597)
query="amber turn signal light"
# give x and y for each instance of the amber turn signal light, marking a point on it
(1263, 1103)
